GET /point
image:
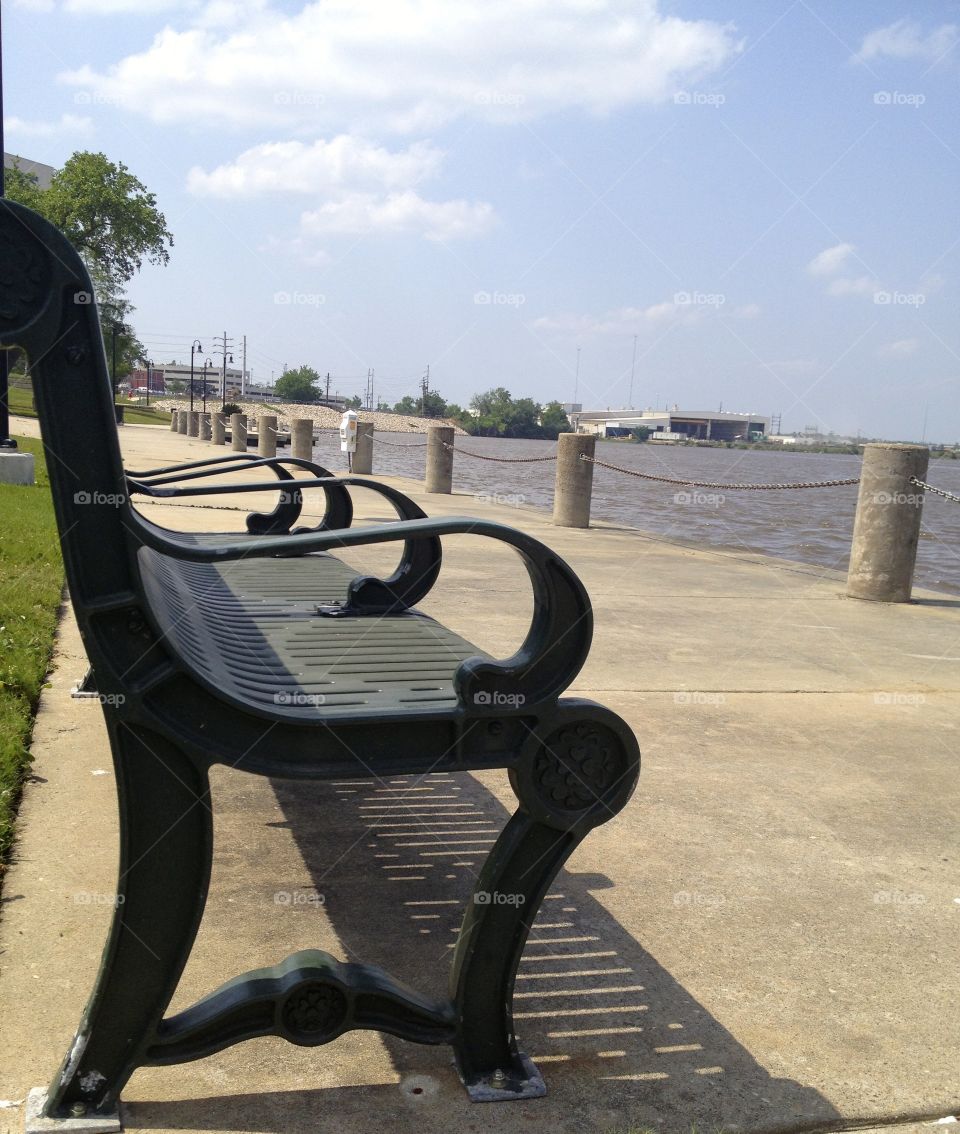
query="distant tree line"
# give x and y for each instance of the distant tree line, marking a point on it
(495, 413)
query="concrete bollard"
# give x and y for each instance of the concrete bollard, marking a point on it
(238, 431)
(574, 484)
(267, 436)
(16, 467)
(363, 457)
(887, 525)
(218, 428)
(439, 475)
(301, 438)
(182, 421)
(205, 427)
(193, 423)
(174, 420)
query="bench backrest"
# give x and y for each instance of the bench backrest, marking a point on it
(47, 308)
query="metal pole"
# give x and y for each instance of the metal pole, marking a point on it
(6, 441)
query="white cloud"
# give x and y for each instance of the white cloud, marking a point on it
(859, 285)
(72, 124)
(620, 321)
(411, 65)
(830, 260)
(905, 40)
(320, 167)
(361, 213)
(902, 348)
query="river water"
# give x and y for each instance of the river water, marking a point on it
(806, 525)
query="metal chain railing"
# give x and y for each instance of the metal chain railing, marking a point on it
(937, 491)
(720, 484)
(498, 460)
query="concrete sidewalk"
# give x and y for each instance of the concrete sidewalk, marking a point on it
(765, 939)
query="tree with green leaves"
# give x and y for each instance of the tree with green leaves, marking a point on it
(115, 225)
(554, 420)
(300, 385)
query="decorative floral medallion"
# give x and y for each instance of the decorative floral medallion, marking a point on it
(578, 766)
(313, 1011)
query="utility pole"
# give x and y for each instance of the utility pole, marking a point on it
(633, 366)
(243, 369)
(223, 346)
(327, 395)
(576, 380)
(368, 394)
(424, 390)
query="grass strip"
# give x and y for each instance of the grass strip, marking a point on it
(31, 584)
(21, 402)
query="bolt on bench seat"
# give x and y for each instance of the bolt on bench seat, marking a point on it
(268, 654)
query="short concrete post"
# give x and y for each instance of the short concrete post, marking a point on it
(182, 421)
(439, 476)
(267, 436)
(574, 484)
(218, 429)
(204, 426)
(238, 432)
(301, 438)
(363, 457)
(174, 420)
(16, 467)
(887, 525)
(193, 423)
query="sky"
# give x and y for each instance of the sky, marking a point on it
(746, 204)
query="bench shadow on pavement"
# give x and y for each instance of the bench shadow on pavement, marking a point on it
(619, 1041)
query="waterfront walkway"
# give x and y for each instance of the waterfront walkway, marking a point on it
(765, 939)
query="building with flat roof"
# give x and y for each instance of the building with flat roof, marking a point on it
(675, 424)
(43, 173)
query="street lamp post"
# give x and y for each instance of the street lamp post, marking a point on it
(194, 346)
(148, 364)
(206, 362)
(223, 379)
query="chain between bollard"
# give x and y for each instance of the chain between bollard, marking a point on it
(400, 444)
(720, 484)
(498, 460)
(937, 491)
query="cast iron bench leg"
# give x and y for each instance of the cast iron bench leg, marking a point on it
(580, 777)
(165, 855)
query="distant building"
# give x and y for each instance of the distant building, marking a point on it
(163, 373)
(43, 173)
(674, 424)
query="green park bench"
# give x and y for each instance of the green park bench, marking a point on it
(266, 652)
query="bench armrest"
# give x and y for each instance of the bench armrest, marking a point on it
(556, 644)
(339, 508)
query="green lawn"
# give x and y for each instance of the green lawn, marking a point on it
(21, 402)
(31, 581)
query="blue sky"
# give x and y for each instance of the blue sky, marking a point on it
(764, 194)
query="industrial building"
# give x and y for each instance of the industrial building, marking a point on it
(673, 424)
